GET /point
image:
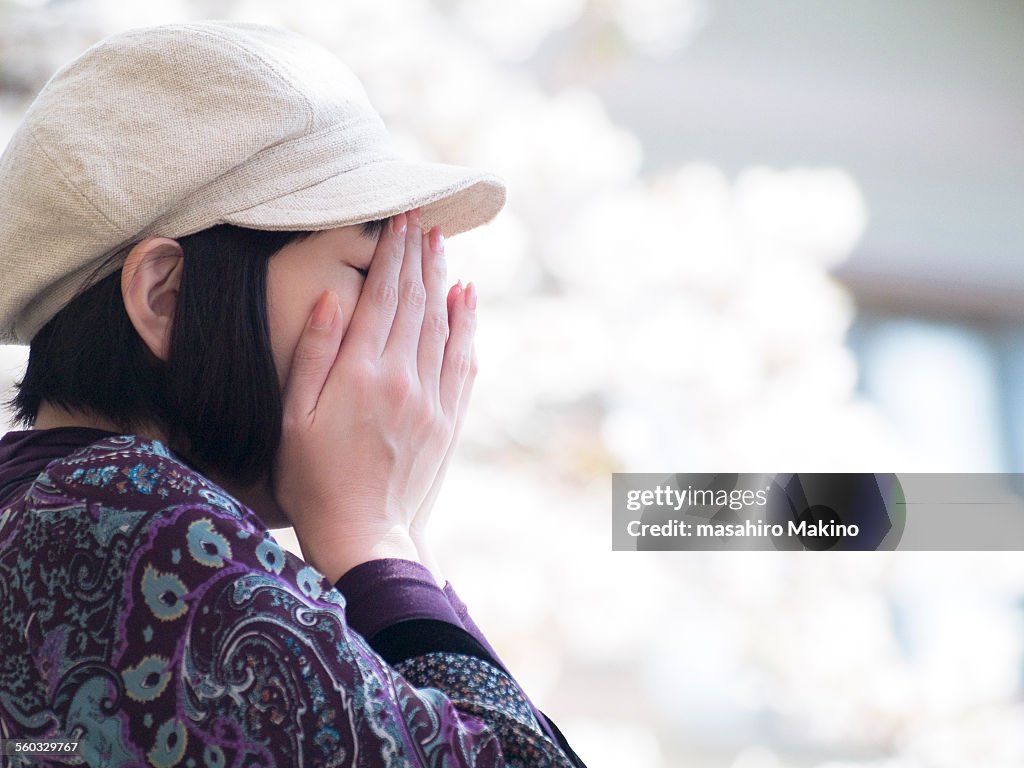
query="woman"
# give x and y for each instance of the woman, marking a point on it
(234, 294)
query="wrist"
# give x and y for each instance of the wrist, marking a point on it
(334, 557)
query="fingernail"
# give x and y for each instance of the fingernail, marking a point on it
(437, 240)
(414, 217)
(324, 311)
(398, 224)
(471, 296)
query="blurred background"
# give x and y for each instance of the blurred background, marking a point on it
(741, 236)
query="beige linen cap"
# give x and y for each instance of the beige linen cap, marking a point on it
(169, 130)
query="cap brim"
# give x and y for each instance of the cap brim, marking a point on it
(453, 197)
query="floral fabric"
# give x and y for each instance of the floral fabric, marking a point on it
(147, 614)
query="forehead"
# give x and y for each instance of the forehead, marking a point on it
(349, 244)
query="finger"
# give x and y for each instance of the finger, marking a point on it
(458, 353)
(434, 332)
(464, 397)
(313, 358)
(375, 310)
(405, 330)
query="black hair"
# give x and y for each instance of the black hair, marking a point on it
(217, 397)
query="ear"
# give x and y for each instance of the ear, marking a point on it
(150, 280)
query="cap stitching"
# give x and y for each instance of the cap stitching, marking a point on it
(72, 185)
(269, 65)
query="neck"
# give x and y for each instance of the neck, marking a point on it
(51, 416)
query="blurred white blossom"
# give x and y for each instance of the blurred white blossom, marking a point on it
(514, 30)
(657, 27)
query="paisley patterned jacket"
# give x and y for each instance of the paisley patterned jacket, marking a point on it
(149, 616)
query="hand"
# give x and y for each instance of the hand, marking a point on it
(368, 420)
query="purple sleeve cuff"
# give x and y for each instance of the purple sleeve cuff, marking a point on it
(380, 593)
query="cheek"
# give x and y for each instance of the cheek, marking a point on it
(289, 305)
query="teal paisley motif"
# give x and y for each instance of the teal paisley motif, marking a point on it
(309, 582)
(171, 741)
(90, 721)
(270, 555)
(206, 546)
(147, 679)
(213, 757)
(164, 593)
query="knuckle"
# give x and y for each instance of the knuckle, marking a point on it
(467, 322)
(384, 295)
(429, 416)
(462, 363)
(413, 293)
(436, 324)
(362, 375)
(400, 385)
(308, 355)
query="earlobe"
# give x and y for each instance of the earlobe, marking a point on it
(150, 280)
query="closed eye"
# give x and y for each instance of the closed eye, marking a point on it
(364, 271)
